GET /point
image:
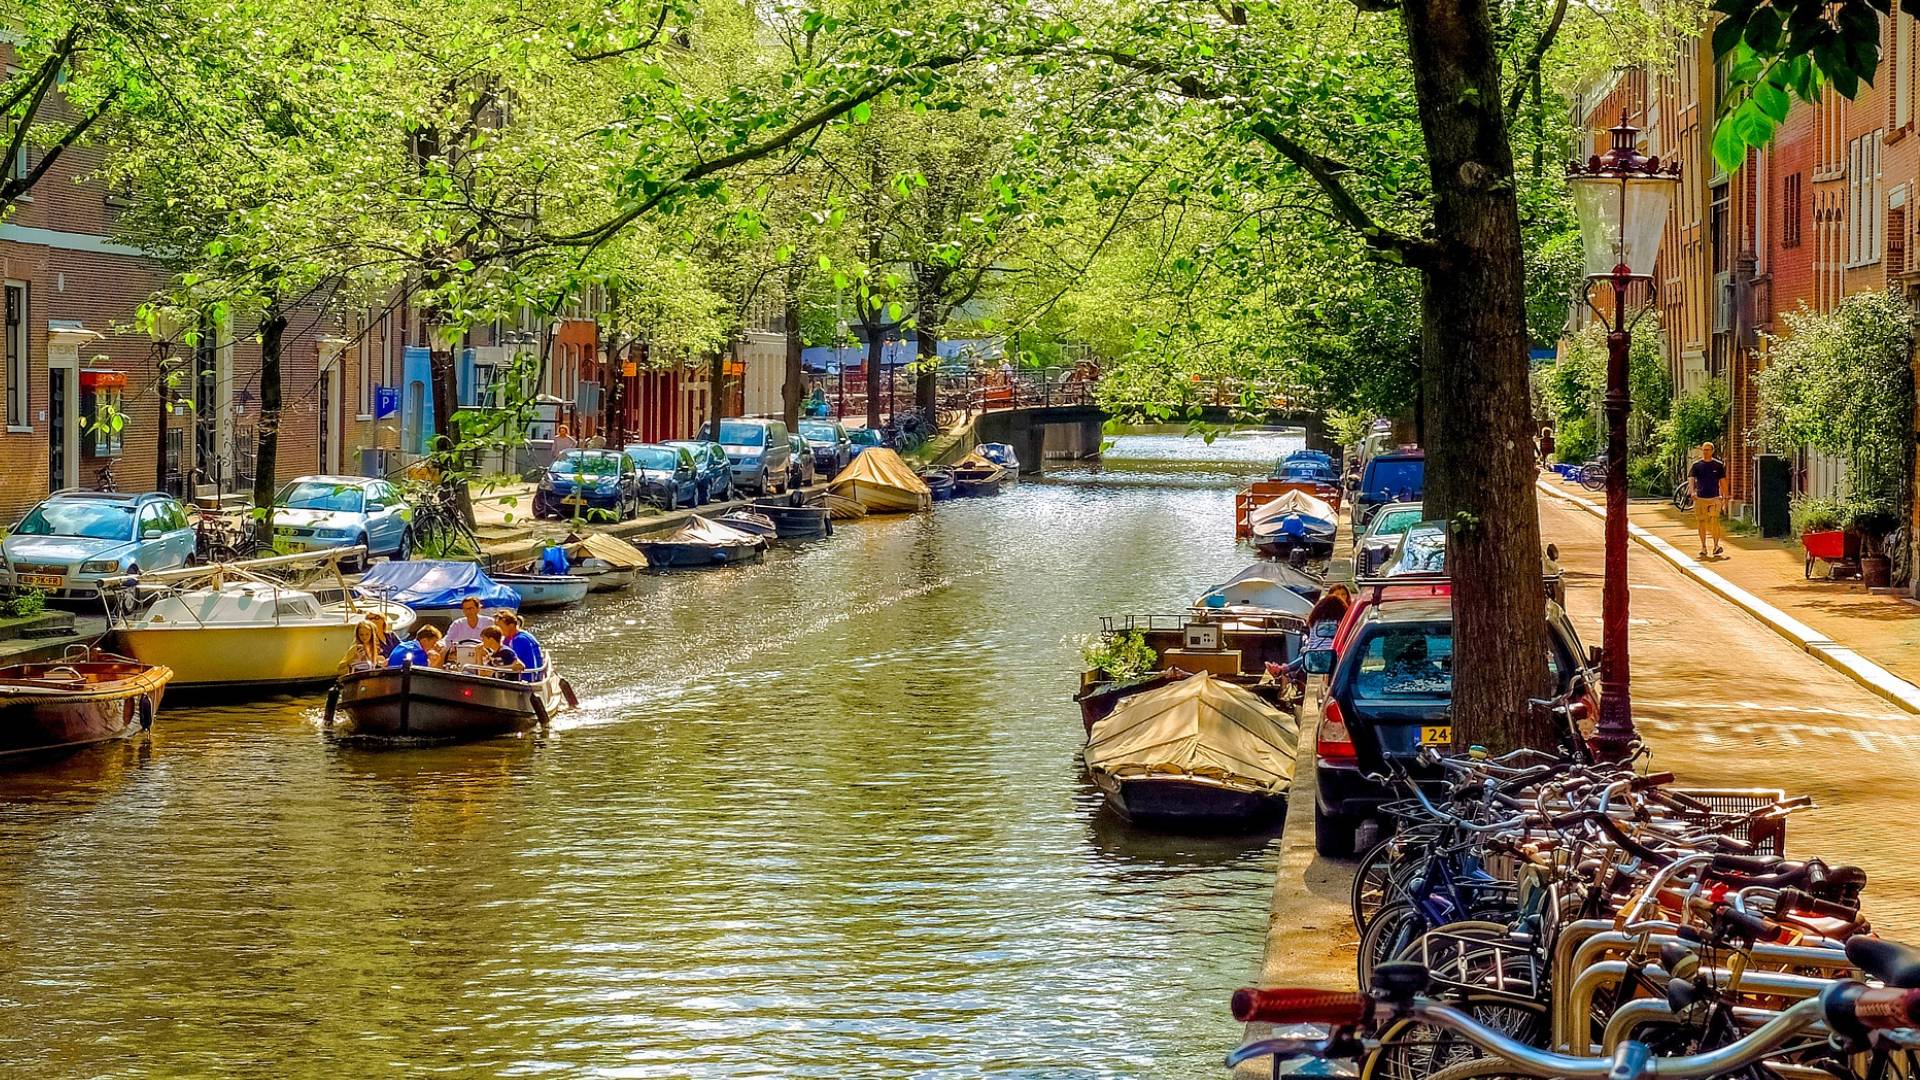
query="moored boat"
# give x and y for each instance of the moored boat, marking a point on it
(752, 521)
(424, 703)
(249, 632)
(881, 483)
(978, 475)
(939, 482)
(1002, 455)
(840, 507)
(702, 543)
(607, 562)
(544, 592)
(435, 589)
(792, 521)
(1196, 752)
(57, 707)
(1290, 522)
(1264, 588)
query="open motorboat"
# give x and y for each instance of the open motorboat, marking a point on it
(1198, 751)
(1002, 455)
(976, 474)
(230, 628)
(1293, 521)
(796, 520)
(702, 543)
(753, 521)
(881, 483)
(939, 480)
(57, 707)
(1263, 588)
(426, 703)
(435, 589)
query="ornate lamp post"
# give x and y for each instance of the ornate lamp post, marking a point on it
(1621, 198)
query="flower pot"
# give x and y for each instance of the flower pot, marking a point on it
(1876, 571)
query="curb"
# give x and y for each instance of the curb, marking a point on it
(1883, 683)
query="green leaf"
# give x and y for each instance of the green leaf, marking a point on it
(1763, 30)
(862, 112)
(1772, 101)
(1729, 150)
(1726, 34)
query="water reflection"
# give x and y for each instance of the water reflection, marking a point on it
(821, 816)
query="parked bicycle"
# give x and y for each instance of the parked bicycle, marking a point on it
(1593, 475)
(1683, 495)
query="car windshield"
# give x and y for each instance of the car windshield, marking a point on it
(737, 434)
(1402, 479)
(698, 450)
(1406, 662)
(1423, 550)
(654, 457)
(591, 462)
(1395, 522)
(322, 495)
(819, 432)
(94, 520)
(864, 437)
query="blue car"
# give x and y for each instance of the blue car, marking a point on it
(713, 471)
(668, 477)
(319, 513)
(863, 439)
(79, 544)
(583, 480)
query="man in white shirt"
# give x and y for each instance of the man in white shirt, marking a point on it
(464, 633)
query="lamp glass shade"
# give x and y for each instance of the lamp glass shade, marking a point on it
(1621, 219)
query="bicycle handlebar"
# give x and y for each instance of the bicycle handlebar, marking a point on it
(1299, 1006)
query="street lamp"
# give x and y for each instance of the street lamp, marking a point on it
(1621, 198)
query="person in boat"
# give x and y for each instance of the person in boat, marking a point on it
(465, 630)
(365, 653)
(422, 651)
(386, 638)
(496, 658)
(523, 644)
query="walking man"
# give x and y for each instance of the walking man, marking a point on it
(1706, 476)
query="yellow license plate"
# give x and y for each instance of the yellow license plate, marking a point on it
(43, 581)
(283, 530)
(1436, 735)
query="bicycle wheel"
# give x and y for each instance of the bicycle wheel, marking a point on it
(1411, 1050)
(1683, 497)
(1593, 477)
(1373, 884)
(1394, 928)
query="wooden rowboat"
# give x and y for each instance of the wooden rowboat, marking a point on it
(441, 703)
(55, 708)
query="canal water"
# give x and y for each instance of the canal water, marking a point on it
(819, 817)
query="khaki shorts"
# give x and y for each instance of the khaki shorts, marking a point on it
(1709, 509)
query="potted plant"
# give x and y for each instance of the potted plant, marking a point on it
(1873, 522)
(1822, 525)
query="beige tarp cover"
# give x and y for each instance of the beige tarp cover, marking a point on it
(612, 550)
(976, 460)
(880, 465)
(1199, 726)
(699, 530)
(1293, 502)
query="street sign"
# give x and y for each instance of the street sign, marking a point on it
(386, 401)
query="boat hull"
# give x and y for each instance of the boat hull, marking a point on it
(968, 487)
(542, 592)
(209, 656)
(608, 580)
(40, 720)
(664, 555)
(1189, 801)
(797, 522)
(878, 498)
(426, 703)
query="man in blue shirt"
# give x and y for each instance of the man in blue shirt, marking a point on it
(522, 644)
(422, 651)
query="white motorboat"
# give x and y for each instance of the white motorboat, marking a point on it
(249, 631)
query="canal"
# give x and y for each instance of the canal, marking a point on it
(823, 816)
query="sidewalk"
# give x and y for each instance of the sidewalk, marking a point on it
(1869, 638)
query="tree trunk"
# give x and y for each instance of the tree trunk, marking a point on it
(926, 387)
(876, 349)
(446, 439)
(716, 394)
(794, 390)
(273, 332)
(166, 415)
(1477, 417)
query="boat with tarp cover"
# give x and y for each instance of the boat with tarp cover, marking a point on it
(57, 707)
(1198, 751)
(1262, 588)
(882, 484)
(435, 589)
(1295, 521)
(701, 542)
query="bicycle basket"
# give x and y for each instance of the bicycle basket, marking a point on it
(1481, 964)
(1725, 806)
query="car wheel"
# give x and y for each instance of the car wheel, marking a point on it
(1334, 834)
(366, 556)
(405, 550)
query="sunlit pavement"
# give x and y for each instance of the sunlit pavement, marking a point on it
(1725, 702)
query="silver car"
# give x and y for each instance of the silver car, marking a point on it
(317, 513)
(78, 544)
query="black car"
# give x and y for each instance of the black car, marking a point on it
(668, 477)
(713, 472)
(831, 447)
(800, 472)
(580, 481)
(1391, 693)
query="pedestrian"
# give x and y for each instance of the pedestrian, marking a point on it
(563, 441)
(1707, 475)
(1546, 445)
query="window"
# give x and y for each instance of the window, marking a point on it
(1901, 62)
(17, 165)
(1406, 662)
(108, 421)
(18, 378)
(1790, 199)
(1866, 208)
(1897, 230)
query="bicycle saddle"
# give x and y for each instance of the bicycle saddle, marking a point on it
(1892, 963)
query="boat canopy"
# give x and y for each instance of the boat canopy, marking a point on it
(1288, 504)
(699, 530)
(1271, 586)
(424, 583)
(880, 465)
(611, 550)
(999, 453)
(1199, 726)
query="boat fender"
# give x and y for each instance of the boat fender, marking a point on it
(145, 705)
(333, 702)
(566, 691)
(540, 711)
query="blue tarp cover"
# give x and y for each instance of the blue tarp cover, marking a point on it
(427, 584)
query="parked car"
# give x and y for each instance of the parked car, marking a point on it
(668, 477)
(1392, 685)
(827, 439)
(713, 473)
(1382, 534)
(801, 473)
(582, 480)
(319, 513)
(1396, 476)
(79, 544)
(759, 451)
(1421, 551)
(863, 438)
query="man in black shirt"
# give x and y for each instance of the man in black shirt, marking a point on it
(1707, 476)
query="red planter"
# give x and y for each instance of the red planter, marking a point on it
(1839, 549)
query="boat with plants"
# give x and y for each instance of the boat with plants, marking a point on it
(976, 475)
(1196, 752)
(1247, 648)
(882, 484)
(52, 708)
(435, 588)
(443, 704)
(701, 542)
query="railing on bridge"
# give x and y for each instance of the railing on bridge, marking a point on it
(958, 393)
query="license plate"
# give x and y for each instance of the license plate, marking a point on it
(1436, 735)
(43, 581)
(283, 530)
